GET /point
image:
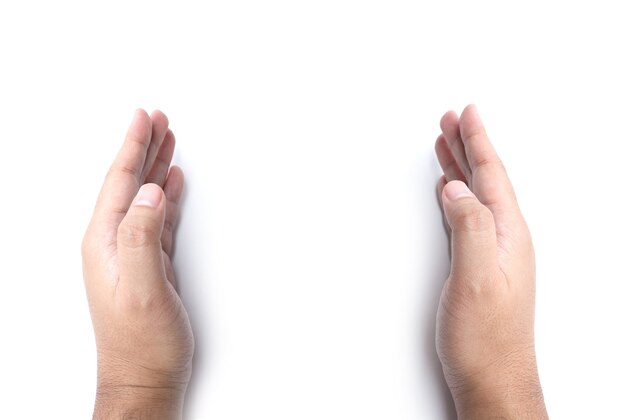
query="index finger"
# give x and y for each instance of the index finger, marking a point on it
(123, 178)
(489, 180)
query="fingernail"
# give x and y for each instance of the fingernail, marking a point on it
(149, 195)
(457, 189)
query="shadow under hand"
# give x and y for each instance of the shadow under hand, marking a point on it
(190, 266)
(436, 251)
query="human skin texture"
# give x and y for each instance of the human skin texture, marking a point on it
(143, 336)
(485, 320)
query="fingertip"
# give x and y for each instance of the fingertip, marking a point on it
(178, 170)
(149, 195)
(140, 115)
(140, 111)
(169, 136)
(455, 190)
(166, 150)
(140, 126)
(157, 114)
(472, 108)
(174, 183)
(447, 118)
(441, 148)
(470, 114)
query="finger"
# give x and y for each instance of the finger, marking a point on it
(140, 257)
(173, 192)
(450, 128)
(489, 182)
(161, 165)
(473, 233)
(440, 185)
(123, 179)
(447, 162)
(159, 129)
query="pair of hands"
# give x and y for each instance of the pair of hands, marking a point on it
(485, 337)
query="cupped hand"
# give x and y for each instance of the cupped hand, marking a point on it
(485, 320)
(143, 336)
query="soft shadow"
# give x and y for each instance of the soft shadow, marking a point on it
(191, 273)
(433, 275)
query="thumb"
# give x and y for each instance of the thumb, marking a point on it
(473, 233)
(140, 256)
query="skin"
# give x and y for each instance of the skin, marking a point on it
(143, 336)
(485, 320)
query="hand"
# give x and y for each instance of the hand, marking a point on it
(143, 336)
(485, 320)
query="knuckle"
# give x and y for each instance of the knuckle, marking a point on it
(474, 136)
(489, 162)
(122, 168)
(474, 218)
(483, 288)
(137, 233)
(135, 303)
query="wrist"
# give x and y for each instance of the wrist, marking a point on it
(126, 390)
(507, 394)
(138, 401)
(503, 405)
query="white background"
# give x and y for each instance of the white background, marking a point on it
(311, 251)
